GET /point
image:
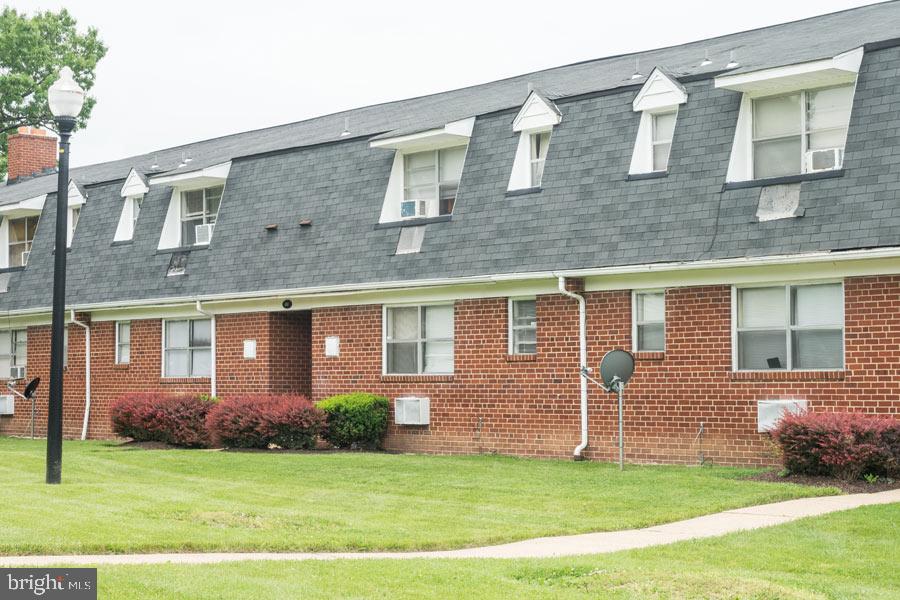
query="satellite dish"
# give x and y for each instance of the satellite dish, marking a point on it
(31, 387)
(616, 364)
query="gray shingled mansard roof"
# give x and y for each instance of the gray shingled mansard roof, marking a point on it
(587, 214)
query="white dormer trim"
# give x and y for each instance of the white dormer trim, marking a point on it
(206, 177)
(24, 208)
(537, 114)
(77, 195)
(135, 185)
(455, 133)
(659, 91)
(838, 70)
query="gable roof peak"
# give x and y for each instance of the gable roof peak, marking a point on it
(662, 89)
(537, 112)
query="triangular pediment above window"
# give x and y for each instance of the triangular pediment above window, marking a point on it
(77, 195)
(135, 185)
(538, 112)
(660, 90)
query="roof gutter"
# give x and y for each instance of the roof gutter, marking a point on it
(354, 288)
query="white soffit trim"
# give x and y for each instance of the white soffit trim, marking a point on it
(455, 133)
(538, 112)
(135, 185)
(843, 68)
(77, 195)
(24, 207)
(213, 175)
(659, 91)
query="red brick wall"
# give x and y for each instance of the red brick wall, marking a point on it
(30, 151)
(235, 375)
(495, 404)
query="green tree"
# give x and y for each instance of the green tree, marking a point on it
(32, 51)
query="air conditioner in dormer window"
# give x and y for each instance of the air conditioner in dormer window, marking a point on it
(411, 410)
(17, 372)
(824, 160)
(25, 256)
(410, 209)
(203, 233)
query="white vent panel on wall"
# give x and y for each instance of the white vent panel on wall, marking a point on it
(7, 405)
(411, 410)
(769, 412)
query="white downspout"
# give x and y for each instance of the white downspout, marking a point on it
(583, 367)
(212, 341)
(87, 375)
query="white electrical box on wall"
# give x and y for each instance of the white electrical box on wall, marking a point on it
(412, 410)
(7, 405)
(769, 412)
(249, 349)
(332, 346)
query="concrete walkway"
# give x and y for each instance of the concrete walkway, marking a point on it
(753, 517)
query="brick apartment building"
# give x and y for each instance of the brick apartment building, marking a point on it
(730, 213)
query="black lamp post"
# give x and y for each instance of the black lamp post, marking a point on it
(65, 98)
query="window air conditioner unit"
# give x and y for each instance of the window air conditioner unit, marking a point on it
(824, 160)
(7, 405)
(17, 372)
(410, 410)
(769, 412)
(203, 233)
(413, 209)
(25, 256)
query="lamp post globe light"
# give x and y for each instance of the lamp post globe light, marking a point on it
(66, 99)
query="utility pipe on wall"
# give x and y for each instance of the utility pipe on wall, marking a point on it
(583, 367)
(212, 341)
(87, 374)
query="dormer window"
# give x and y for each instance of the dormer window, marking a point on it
(534, 123)
(540, 142)
(199, 209)
(74, 215)
(21, 235)
(430, 182)
(657, 101)
(800, 132)
(133, 195)
(663, 130)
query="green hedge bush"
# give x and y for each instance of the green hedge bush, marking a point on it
(356, 420)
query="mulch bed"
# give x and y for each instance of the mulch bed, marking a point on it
(848, 487)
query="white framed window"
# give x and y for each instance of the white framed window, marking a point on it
(430, 182)
(649, 321)
(74, 215)
(21, 235)
(418, 339)
(187, 348)
(788, 327)
(540, 143)
(199, 208)
(522, 326)
(123, 342)
(800, 132)
(136, 203)
(13, 351)
(663, 130)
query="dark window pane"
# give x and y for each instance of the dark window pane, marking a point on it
(652, 337)
(818, 349)
(402, 357)
(760, 350)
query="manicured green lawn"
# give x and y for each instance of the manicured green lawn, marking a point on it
(852, 554)
(119, 499)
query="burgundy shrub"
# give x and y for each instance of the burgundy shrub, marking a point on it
(258, 421)
(844, 445)
(179, 420)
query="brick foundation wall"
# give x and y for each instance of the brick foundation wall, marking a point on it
(497, 403)
(235, 374)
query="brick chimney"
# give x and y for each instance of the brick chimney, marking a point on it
(32, 151)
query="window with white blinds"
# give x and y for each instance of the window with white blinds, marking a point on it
(649, 334)
(790, 327)
(418, 339)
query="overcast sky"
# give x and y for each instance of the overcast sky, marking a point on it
(183, 71)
